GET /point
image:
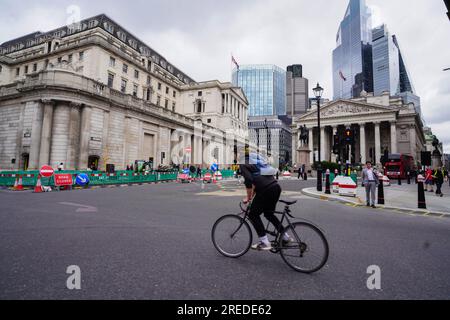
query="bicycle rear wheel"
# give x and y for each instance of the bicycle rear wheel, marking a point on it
(308, 251)
(231, 236)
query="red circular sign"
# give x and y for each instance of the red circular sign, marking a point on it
(47, 171)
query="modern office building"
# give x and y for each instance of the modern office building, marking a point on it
(297, 101)
(272, 135)
(352, 58)
(264, 87)
(386, 62)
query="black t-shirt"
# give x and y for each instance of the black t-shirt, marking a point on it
(260, 182)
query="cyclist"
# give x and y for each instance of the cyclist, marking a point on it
(265, 191)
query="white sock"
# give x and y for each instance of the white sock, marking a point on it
(285, 236)
(264, 240)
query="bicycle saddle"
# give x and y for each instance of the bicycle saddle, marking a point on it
(288, 202)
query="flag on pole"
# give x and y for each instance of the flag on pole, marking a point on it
(235, 62)
(342, 75)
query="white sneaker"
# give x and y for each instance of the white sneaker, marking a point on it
(261, 246)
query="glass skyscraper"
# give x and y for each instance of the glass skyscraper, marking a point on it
(265, 88)
(386, 63)
(352, 58)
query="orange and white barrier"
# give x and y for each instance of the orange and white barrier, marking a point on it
(347, 187)
(286, 174)
(218, 175)
(184, 177)
(335, 184)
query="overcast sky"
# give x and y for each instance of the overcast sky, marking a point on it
(198, 36)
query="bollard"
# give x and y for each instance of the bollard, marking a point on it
(380, 190)
(305, 176)
(408, 178)
(399, 180)
(421, 193)
(327, 182)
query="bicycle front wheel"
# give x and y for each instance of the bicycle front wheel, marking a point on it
(307, 252)
(231, 236)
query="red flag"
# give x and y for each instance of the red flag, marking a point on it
(235, 62)
(342, 76)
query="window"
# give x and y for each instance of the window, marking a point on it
(174, 93)
(149, 80)
(148, 95)
(26, 69)
(125, 68)
(112, 62)
(81, 56)
(35, 67)
(46, 63)
(166, 104)
(158, 101)
(110, 80)
(1, 69)
(200, 93)
(173, 106)
(159, 85)
(59, 59)
(70, 58)
(17, 71)
(208, 120)
(136, 74)
(123, 86)
(198, 106)
(167, 90)
(135, 90)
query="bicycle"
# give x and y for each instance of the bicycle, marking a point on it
(232, 237)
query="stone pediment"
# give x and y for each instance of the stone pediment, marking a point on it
(344, 108)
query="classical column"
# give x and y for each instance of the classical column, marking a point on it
(311, 145)
(294, 145)
(393, 137)
(333, 133)
(322, 144)
(85, 133)
(36, 132)
(412, 140)
(46, 133)
(362, 142)
(74, 136)
(377, 143)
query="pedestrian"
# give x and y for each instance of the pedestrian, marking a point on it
(131, 167)
(128, 167)
(438, 177)
(429, 179)
(199, 172)
(370, 182)
(300, 172)
(61, 167)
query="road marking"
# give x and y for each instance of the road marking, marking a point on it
(81, 207)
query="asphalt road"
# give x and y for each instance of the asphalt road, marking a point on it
(153, 242)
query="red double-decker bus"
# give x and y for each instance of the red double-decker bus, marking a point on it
(398, 165)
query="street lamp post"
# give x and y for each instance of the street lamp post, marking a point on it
(318, 90)
(267, 136)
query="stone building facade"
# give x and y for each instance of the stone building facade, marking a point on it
(92, 92)
(380, 123)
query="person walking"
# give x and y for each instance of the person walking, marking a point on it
(61, 167)
(370, 182)
(300, 172)
(438, 177)
(428, 179)
(199, 172)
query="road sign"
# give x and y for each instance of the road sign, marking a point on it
(82, 179)
(47, 171)
(214, 167)
(63, 179)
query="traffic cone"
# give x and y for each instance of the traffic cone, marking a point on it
(19, 185)
(16, 183)
(38, 187)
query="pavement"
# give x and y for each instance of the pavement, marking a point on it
(154, 242)
(396, 197)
